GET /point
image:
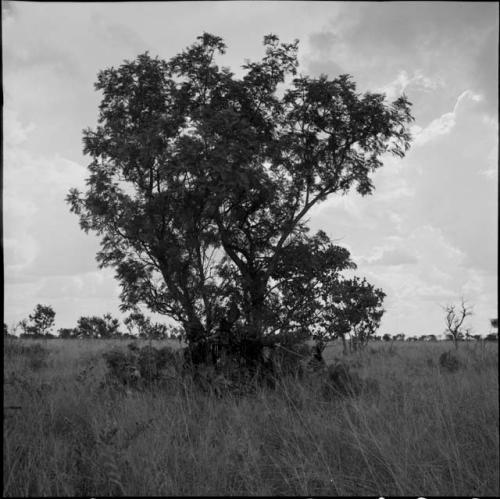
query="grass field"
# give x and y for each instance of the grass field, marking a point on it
(426, 431)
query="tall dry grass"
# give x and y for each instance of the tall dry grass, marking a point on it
(426, 431)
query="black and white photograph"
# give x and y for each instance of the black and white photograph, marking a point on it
(250, 248)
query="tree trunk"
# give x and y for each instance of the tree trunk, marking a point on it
(196, 339)
(252, 345)
(256, 324)
(344, 344)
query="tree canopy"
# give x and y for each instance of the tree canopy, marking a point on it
(40, 322)
(200, 184)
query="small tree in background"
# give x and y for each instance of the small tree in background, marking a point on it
(313, 298)
(67, 333)
(136, 324)
(97, 327)
(24, 327)
(39, 324)
(493, 336)
(6, 333)
(469, 334)
(141, 326)
(364, 311)
(454, 319)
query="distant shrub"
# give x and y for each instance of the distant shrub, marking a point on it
(142, 366)
(153, 363)
(341, 381)
(96, 327)
(122, 368)
(289, 360)
(67, 333)
(449, 361)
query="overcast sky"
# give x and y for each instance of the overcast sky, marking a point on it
(427, 235)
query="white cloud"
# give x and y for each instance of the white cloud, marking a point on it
(445, 123)
(90, 293)
(19, 252)
(41, 237)
(390, 256)
(15, 133)
(403, 83)
(491, 170)
(420, 271)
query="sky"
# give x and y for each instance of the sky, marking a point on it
(427, 236)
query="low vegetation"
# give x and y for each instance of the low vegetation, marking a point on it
(392, 419)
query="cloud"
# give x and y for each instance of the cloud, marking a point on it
(491, 172)
(394, 256)
(115, 33)
(419, 265)
(319, 60)
(445, 123)
(380, 41)
(41, 55)
(91, 293)
(485, 70)
(403, 83)
(41, 236)
(324, 66)
(323, 41)
(15, 133)
(23, 50)
(87, 285)
(393, 29)
(19, 252)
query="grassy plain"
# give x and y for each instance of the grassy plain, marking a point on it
(426, 431)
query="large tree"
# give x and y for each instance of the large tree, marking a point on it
(200, 183)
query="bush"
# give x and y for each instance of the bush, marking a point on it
(142, 366)
(341, 381)
(449, 362)
(122, 367)
(153, 363)
(290, 360)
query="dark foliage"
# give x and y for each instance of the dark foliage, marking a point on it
(341, 381)
(93, 327)
(39, 324)
(141, 367)
(449, 362)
